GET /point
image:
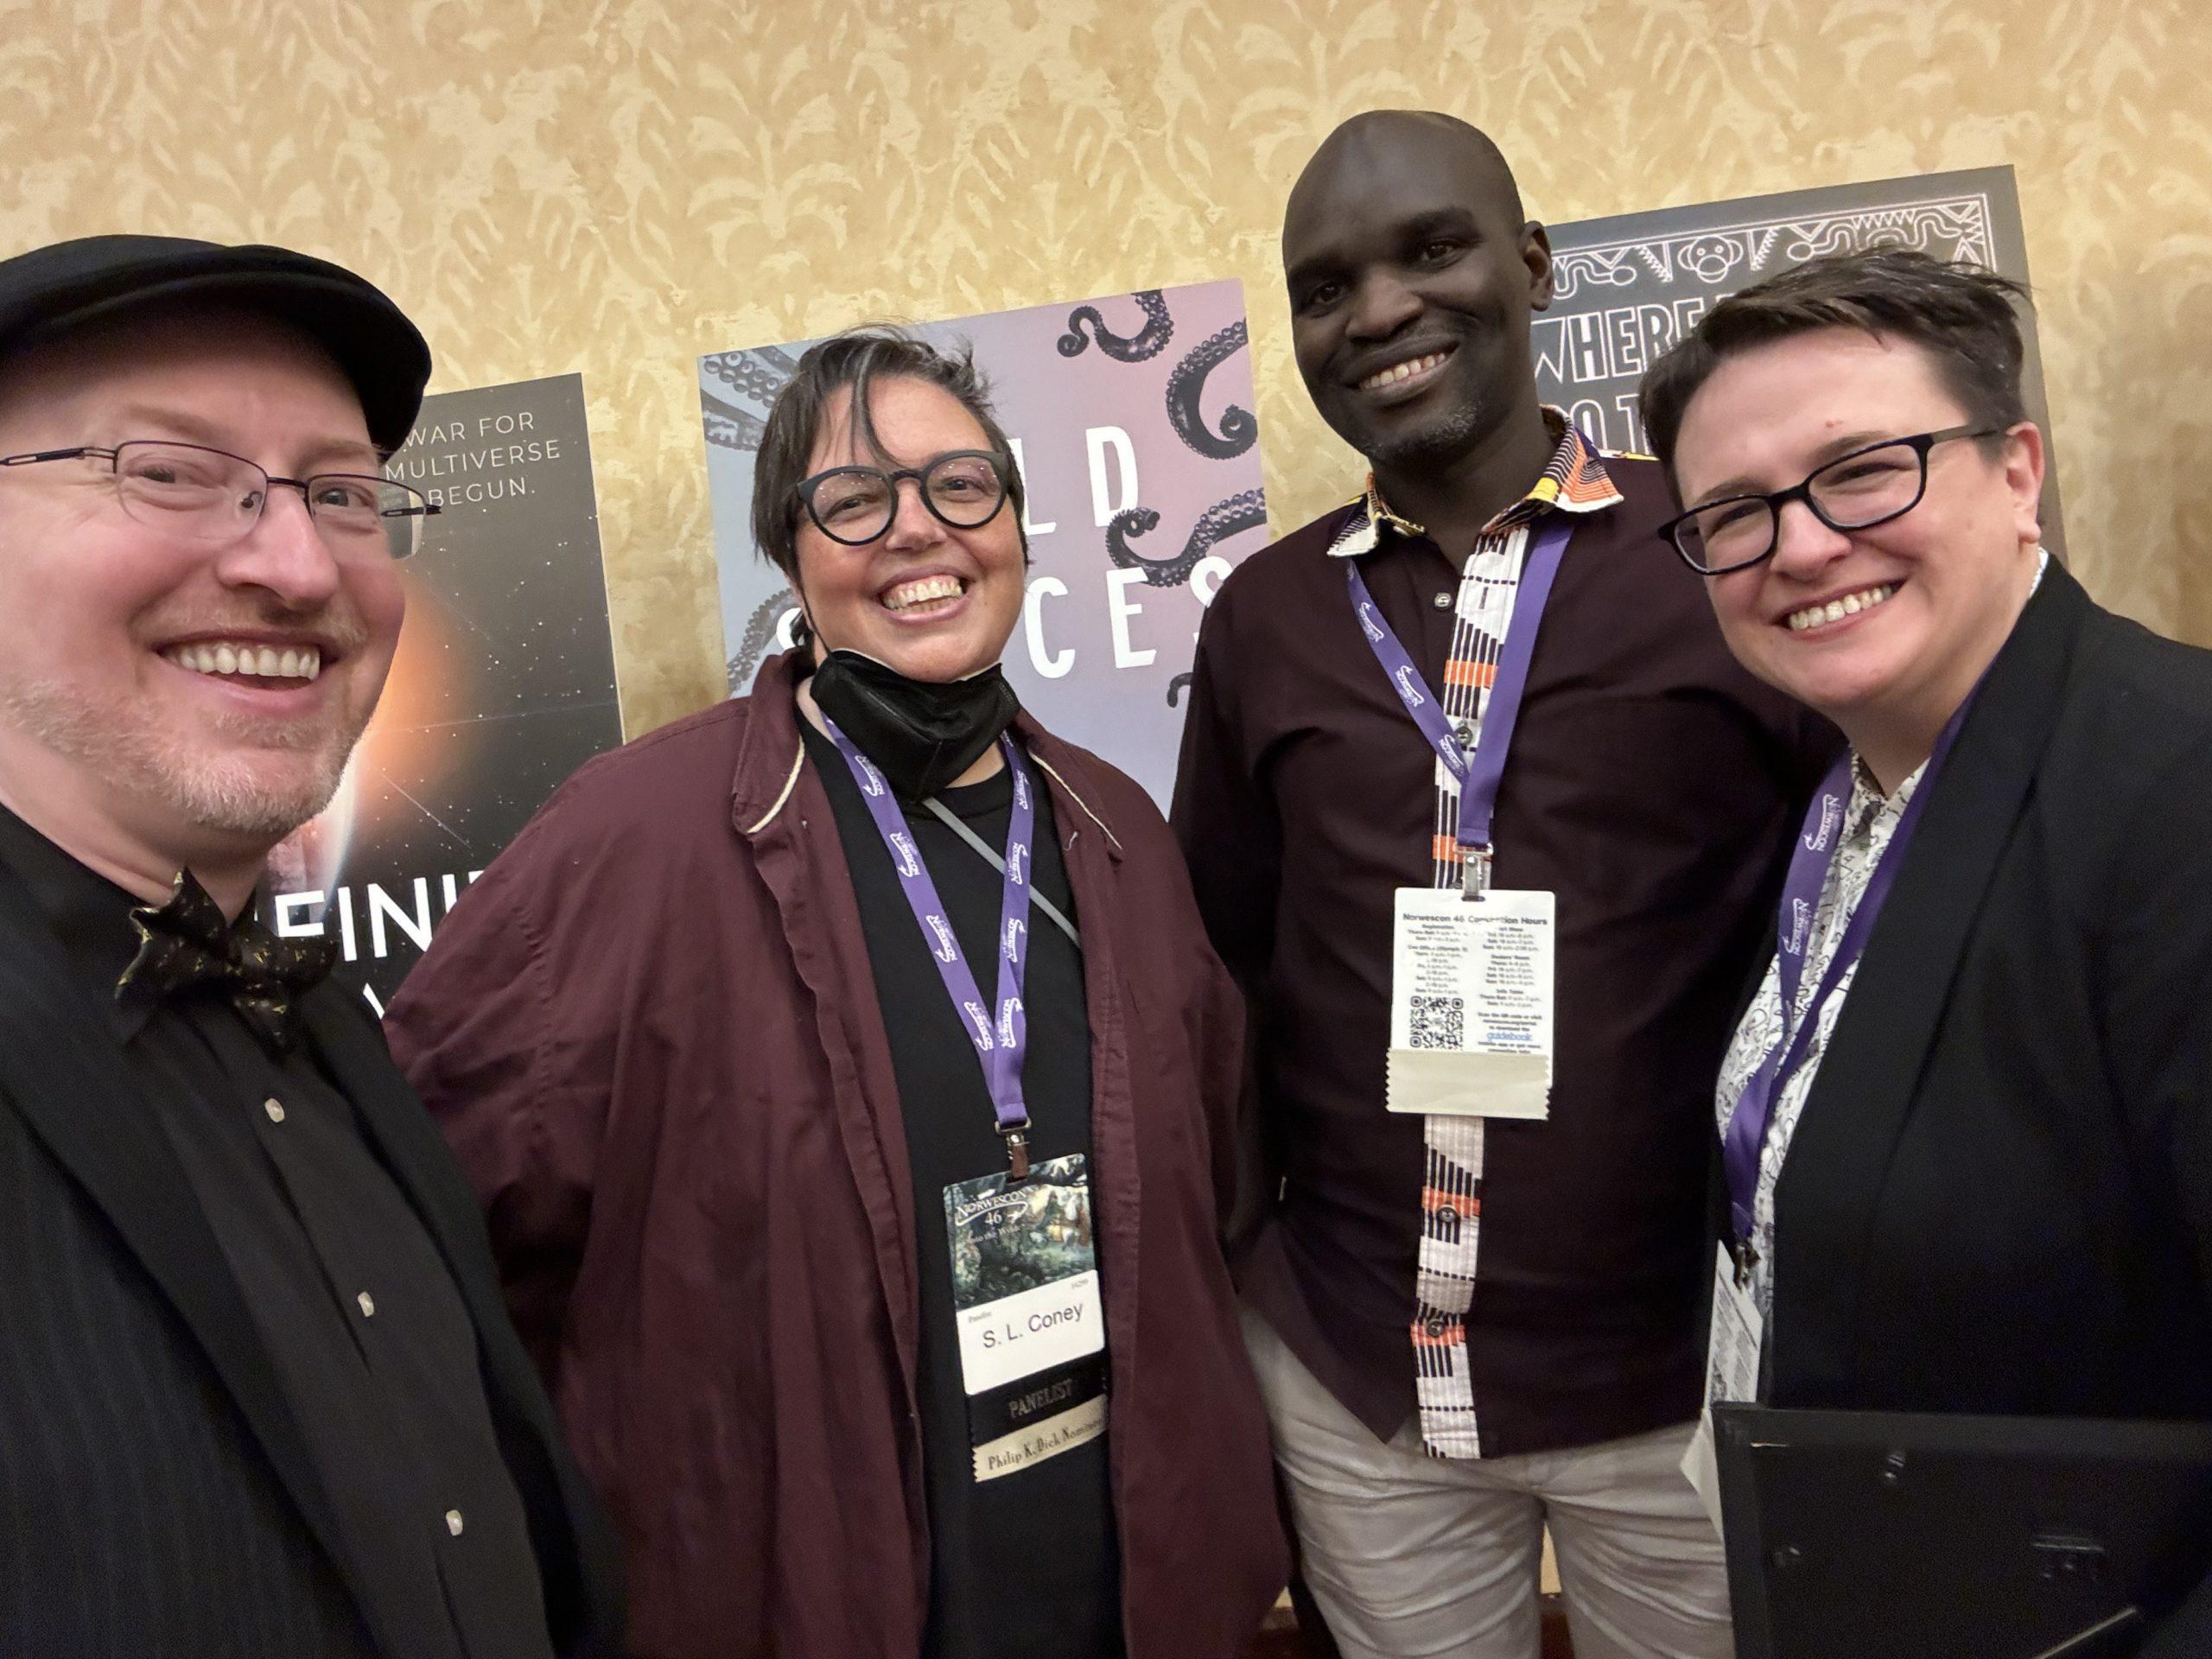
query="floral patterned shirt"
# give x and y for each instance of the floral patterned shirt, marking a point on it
(1869, 819)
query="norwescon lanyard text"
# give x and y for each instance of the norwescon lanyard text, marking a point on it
(999, 1031)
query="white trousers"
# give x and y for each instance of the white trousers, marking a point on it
(1415, 1557)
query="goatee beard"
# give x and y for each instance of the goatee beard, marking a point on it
(1442, 440)
(228, 794)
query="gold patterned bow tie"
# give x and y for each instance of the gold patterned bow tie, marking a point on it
(187, 942)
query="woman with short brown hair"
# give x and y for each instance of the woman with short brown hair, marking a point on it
(848, 1085)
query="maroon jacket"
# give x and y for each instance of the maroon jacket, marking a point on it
(651, 1032)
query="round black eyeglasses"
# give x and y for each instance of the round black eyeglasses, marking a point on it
(964, 488)
(1868, 486)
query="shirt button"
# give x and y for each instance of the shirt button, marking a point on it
(275, 1108)
(1443, 602)
(453, 1522)
(368, 1305)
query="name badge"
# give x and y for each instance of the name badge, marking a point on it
(1731, 1373)
(1473, 989)
(1031, 1322)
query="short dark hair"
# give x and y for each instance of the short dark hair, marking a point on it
(1961, 315)
(855, 361)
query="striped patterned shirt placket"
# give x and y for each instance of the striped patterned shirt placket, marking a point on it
(1452, 1185)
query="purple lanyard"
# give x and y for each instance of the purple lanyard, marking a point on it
(1479, 773)
(1744, 1142)
(1001, 1042)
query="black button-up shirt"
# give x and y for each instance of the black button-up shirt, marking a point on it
(369, 1336)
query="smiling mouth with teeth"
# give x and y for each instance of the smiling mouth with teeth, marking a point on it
(238, 660)
(1406, 371)
(930, 593)
(1835, 610)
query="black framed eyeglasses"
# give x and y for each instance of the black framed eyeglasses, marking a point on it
(1869, 487)
(964, 488)
(198, 494)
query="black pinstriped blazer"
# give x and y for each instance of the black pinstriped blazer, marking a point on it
(156, 1496)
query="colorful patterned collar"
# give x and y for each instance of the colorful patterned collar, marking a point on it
(1574, 480)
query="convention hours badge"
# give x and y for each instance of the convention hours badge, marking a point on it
(1472, 995)
(1031, 1321)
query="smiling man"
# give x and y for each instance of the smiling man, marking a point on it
(260, 1397)
(1475, 1280)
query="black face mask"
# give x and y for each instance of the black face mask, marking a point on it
(924, 734)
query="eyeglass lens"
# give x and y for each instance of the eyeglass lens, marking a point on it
(1851, 493)
(205, 494)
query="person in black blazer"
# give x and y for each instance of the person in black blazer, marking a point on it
(1970, 1160)
(259, 1395)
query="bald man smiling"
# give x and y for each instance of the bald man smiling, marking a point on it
(1485, 820)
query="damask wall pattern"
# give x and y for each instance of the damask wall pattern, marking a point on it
(616, 188)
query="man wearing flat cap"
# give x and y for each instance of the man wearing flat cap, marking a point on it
(257, 1395)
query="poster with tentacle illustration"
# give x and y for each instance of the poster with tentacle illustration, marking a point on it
(1131, 419)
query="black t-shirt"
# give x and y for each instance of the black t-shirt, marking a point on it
(1025, 1564)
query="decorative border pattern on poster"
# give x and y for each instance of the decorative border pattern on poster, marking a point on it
(1628, 287)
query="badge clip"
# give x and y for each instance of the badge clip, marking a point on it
(1745, 1257)
(1017, 1151)
(1474, 871)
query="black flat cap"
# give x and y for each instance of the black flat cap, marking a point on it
(98, 278)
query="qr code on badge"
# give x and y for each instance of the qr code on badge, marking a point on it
(1440, 1021)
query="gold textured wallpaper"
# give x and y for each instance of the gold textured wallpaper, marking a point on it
(549, 185)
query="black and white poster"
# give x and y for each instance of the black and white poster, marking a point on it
(1626, 289)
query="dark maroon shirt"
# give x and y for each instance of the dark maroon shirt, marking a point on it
(1652, 785)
